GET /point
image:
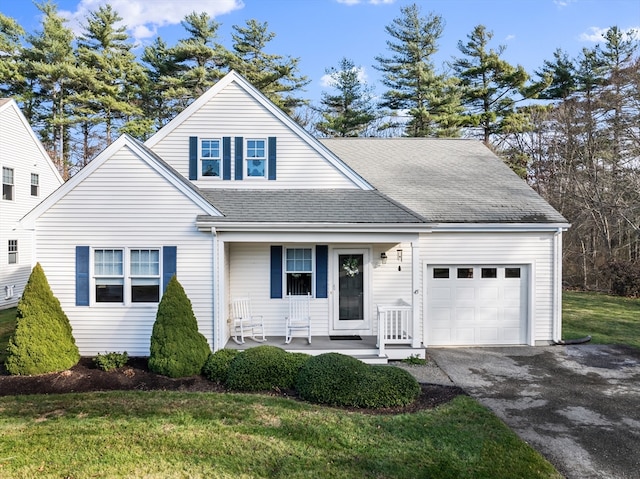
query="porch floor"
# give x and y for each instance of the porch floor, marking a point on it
(364, 349)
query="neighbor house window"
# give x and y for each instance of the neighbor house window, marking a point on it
(256, 158)
(210, 157)
(7, 183)
(13, 251)
(299, 270)
(109, 275)
(145, 275)
(35, 184)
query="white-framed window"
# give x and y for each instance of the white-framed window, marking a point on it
(7, 183)
(123, 275)
(35, 184)
(210, 157)
(12, 248)
(145, 275)
(256, 158)
(108, 271)
(298, 268)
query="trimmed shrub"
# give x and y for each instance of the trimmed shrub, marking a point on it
(332, 378)
(216, 368)
(340, 380)
(110, 361)
(43, 340)
(177, 348)
(264, 368)
(625, 278)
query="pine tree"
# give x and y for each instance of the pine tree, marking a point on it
(50, 72)
(177, 348)
(414, 85)
(351, 110)
(489, 83)
(276, 76)
(12, 80)
(43, 340)
(199, 58)
(111, 95)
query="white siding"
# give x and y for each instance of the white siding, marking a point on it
(124, 203)
(20, 151)
(233, 112)
(535, 249)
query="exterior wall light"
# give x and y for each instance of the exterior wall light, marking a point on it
(383, 257)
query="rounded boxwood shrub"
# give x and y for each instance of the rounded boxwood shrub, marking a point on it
(264, 368)
(177, 348)
(331, 378)
(217, 366)
(43, 340)
(340, 380)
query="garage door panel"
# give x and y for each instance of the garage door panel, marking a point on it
(486, 305)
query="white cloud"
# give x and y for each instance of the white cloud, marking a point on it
(596, 34)
(143, 17)
(564, 3)
(509, 38)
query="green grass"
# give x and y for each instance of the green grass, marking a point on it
(607, 319)
(169, 434)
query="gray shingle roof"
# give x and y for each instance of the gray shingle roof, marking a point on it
(445, 180)
(308, 206)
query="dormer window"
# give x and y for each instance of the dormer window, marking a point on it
(256, 158)
(210, 157)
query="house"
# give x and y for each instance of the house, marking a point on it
(28, 176)
(401, 243)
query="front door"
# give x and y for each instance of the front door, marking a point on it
(351, 305)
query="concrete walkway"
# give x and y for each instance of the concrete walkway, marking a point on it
(577, 405)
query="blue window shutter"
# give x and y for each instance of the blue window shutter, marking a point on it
(276, 272)
(169, 263)
(193, 157)
(82, 276)
(226, 158)
(239, 157)
(272, 157)
(322, 266)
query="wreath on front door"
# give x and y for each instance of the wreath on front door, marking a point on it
(351, 267)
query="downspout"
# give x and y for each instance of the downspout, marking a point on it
(214, 286)
(557, 286)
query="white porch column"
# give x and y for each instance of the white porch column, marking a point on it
(416, 340)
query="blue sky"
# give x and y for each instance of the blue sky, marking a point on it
(321, 32)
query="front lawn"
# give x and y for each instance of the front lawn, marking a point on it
(169, 434)
(607, 319)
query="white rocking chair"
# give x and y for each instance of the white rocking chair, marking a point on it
(299, 318)
(244, 322)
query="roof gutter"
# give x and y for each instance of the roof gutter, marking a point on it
(209, 224)
(498, 227)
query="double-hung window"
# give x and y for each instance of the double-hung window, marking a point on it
(7, 183)
(13, 251)
(210, 158)
(299, 270)
(256, 158)
(109, 275)
(35, 184)
(127, 275)
(145, 275)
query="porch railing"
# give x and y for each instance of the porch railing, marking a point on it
(394, 325)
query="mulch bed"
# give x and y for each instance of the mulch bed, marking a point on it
(135, 376)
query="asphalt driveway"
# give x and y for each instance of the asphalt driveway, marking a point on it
(578, 405)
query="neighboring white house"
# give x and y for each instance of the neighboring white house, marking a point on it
(402, 243)
(28, 176)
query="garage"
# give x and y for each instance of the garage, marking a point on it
(470, 305)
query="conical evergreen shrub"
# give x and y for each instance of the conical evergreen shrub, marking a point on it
(177, 348)
(43, 340)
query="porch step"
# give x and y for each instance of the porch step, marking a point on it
(372, 359)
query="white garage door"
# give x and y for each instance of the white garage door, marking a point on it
(476, 305)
